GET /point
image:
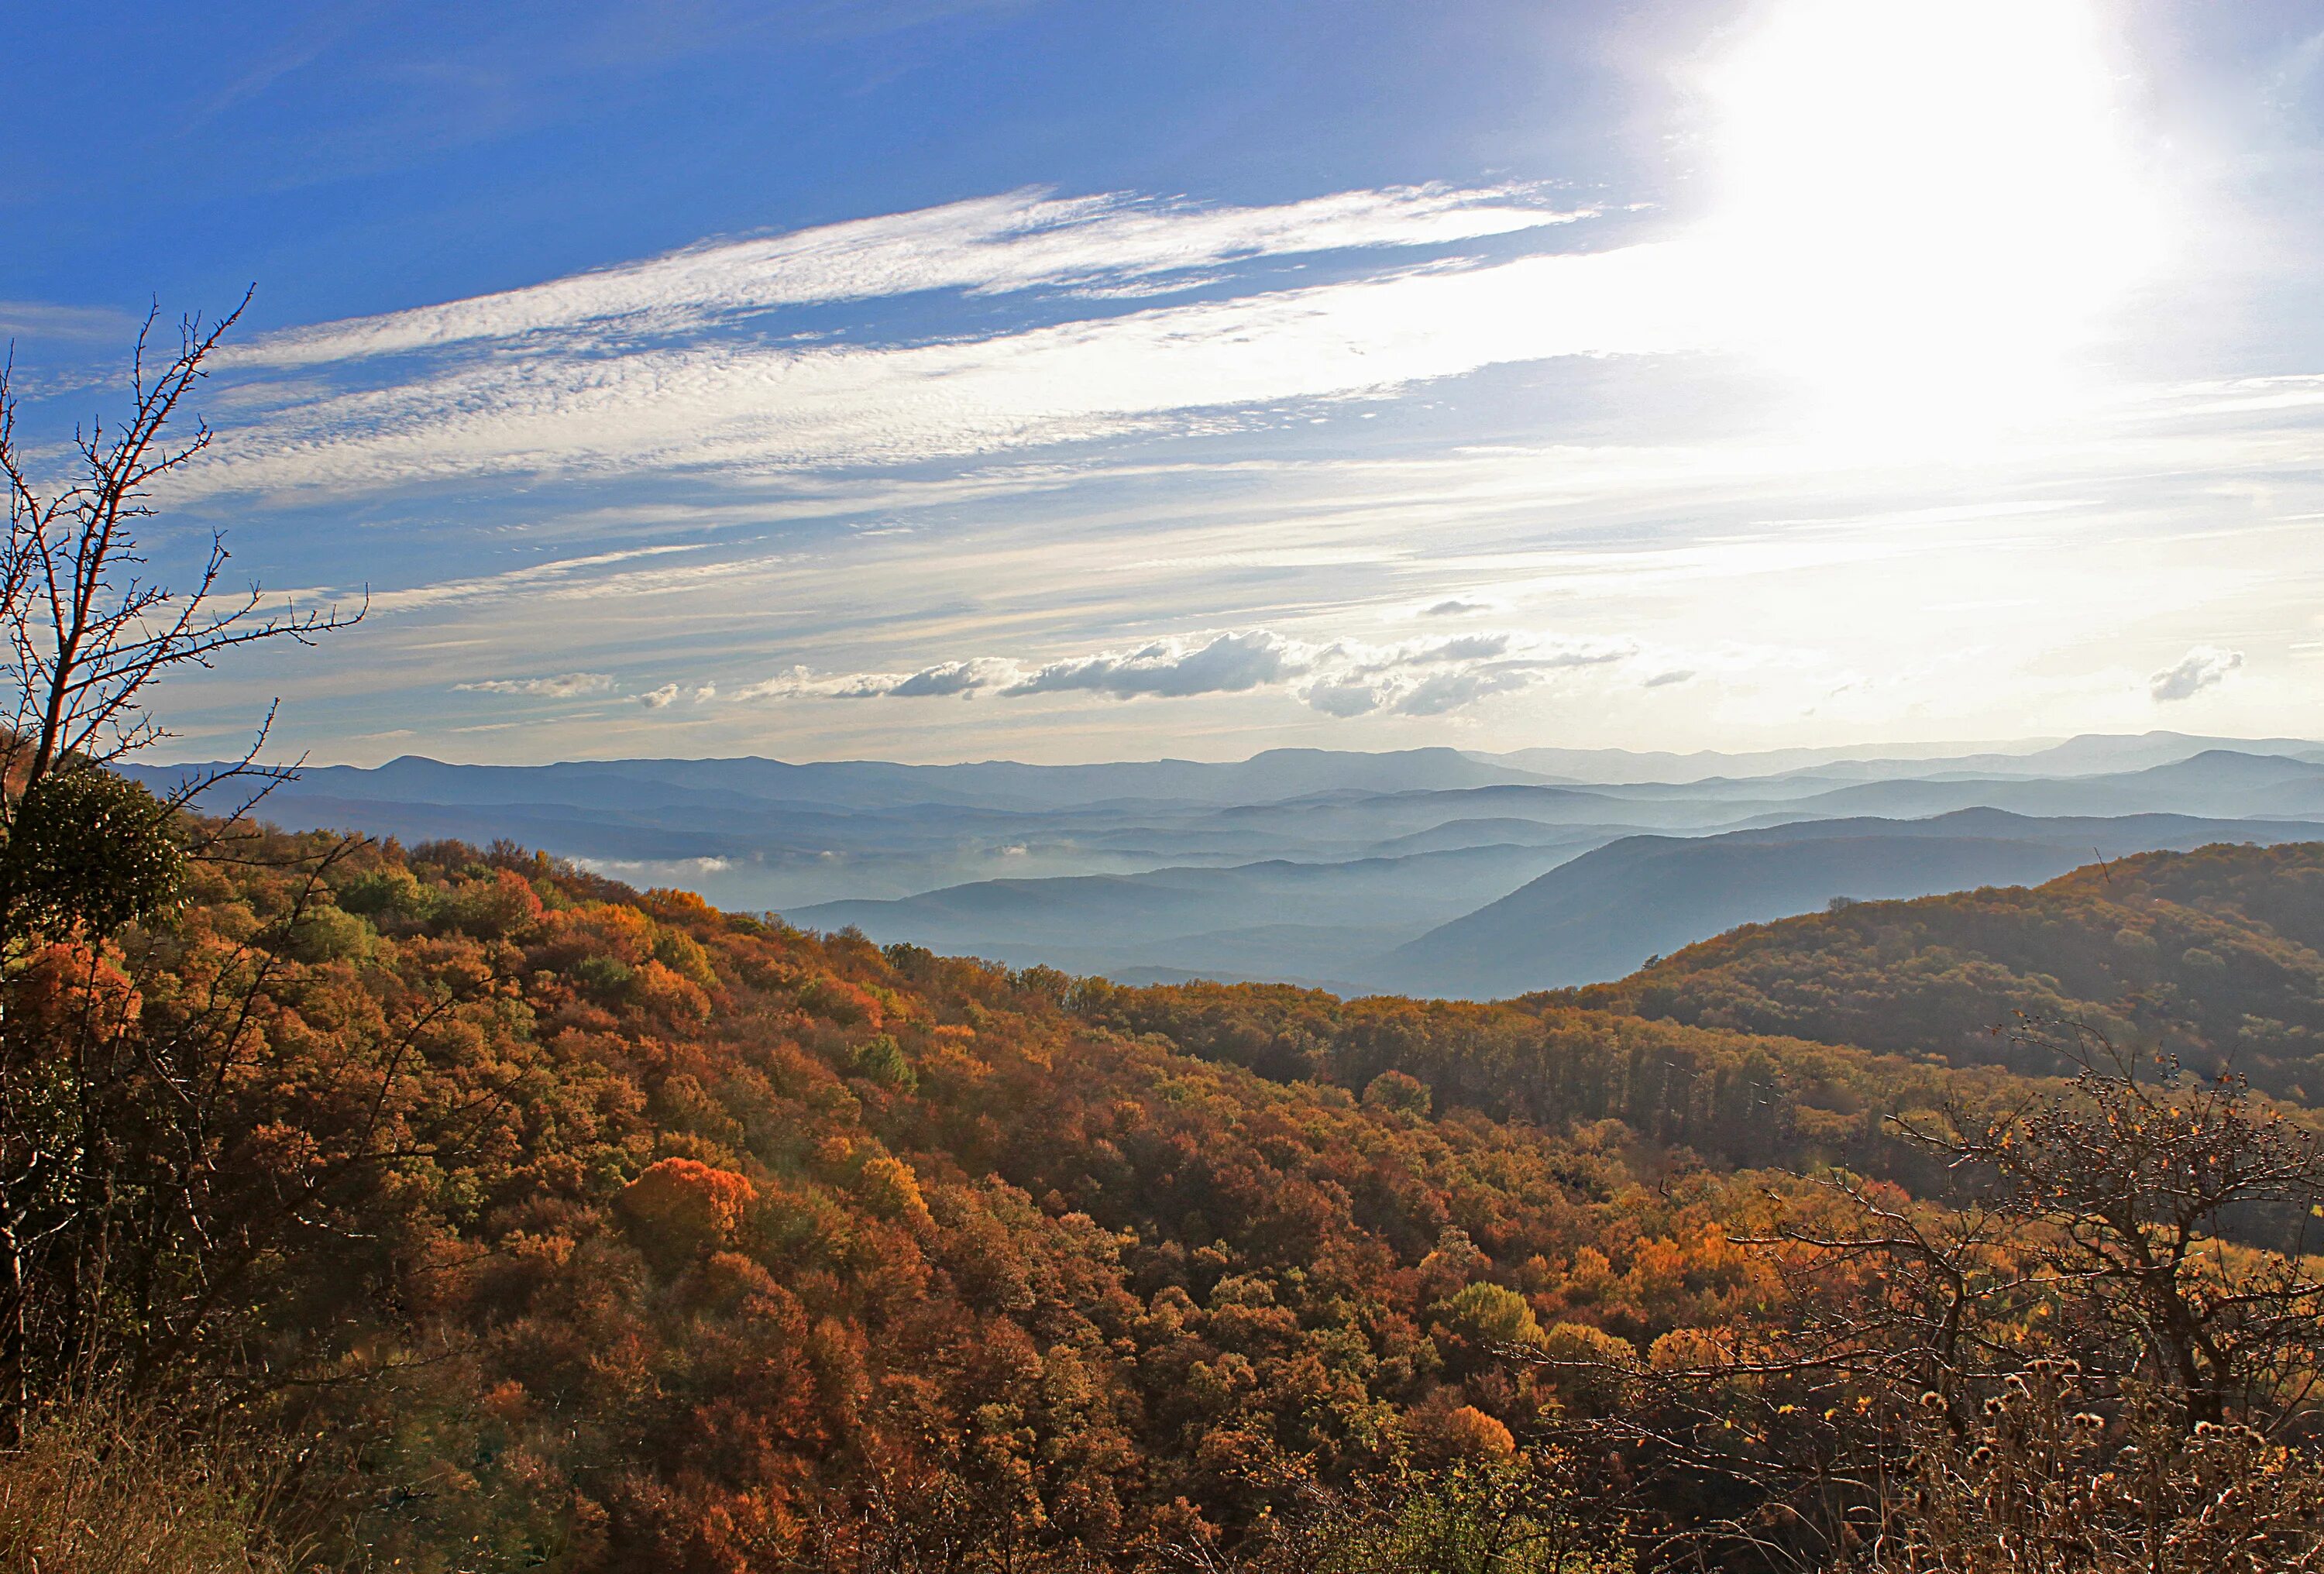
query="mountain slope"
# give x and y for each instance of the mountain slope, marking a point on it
(1608, 911)
(2216, 955)
(626, 1234)
(632, 1234)
(2220, 782)
(1276, 918)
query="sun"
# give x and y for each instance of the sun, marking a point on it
(1925, 207)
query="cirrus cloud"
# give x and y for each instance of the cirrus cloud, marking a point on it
(700, 378)
(562, 685)
(1115, 244)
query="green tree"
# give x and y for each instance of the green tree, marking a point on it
(1519, 1516)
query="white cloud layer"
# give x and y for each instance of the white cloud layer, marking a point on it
(1419, 677)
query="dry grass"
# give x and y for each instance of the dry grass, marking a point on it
(109, 1490)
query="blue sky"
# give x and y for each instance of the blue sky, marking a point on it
(939, 380)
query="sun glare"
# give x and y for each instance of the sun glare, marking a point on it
(1926, 205)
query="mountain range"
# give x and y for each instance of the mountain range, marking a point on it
(1430, 870)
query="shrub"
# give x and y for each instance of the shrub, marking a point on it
(101, 1489)
(880, 1059)
(1511, 1515)
(680, 1207)
(323, 934)
(2035, 1479)
(87, 849)
(1488, 1317)
(1398, 1093)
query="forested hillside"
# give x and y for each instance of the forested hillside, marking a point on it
(612, 1231)
(589, 1229)
(2215, 956)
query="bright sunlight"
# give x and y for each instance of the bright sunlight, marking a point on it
(1926, 205)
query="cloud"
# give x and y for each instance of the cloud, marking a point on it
(1419, 677)
(750, 404)
(954, 677)
(2204, 667)
(559, 579)
(1432, 678)
(783, 685)
(669, 693)
(1225, 663)
(1115, 242)
(39, 319)
(1451, 691)
(1459, 647)
(564, 685)
(1665, 679)
(1455, 607)
(797, 683)
(1342, 697)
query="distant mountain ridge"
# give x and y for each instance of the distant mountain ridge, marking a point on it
(2216, 781)
(2088, 754)
(1271, 776)
(1306, 864)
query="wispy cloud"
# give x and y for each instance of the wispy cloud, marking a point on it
(44, 320)
(743, 406)
(584, 575)
(1113, 243)
(563, 685)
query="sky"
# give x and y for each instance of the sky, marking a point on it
(935, 380)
